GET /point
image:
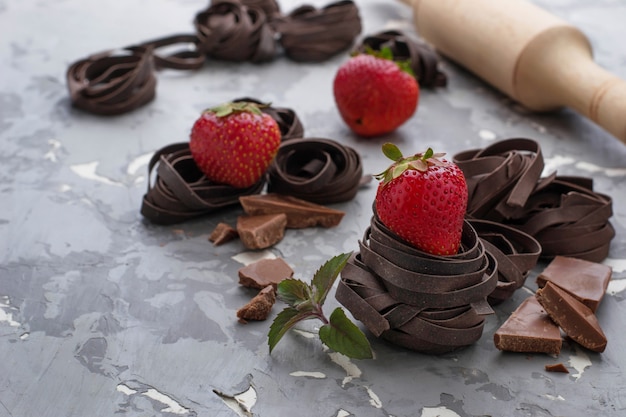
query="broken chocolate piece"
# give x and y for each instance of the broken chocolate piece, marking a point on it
(222, 233)
(261, 231)
(529, 329)
(300, 213)
(259, 307)
(557, 367)
(265, 272)
(575, 318)
(584, 280)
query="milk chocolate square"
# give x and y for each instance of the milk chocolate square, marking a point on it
(529, 329)
(263, 231)
(576, 319)
(264, 272)
(584, 280)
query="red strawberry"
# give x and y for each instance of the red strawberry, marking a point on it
(374, 94)
(234, 143)
(423, 200)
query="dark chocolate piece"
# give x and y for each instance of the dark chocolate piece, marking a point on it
(576, 319)
(300, 213)
(309, 34)
(584, 280)
(529, 329)
(318, 170)
(222, 233)
(264, 272)
(556, 367)
(422, 58)
(261, 231)
(259, 307)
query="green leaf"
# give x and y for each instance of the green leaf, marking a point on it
(325, 277)
(284, 321)
(345, 337)
(392, 152)
(293, 292)
(428, 154)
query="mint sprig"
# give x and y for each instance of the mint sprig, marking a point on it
(305, 302)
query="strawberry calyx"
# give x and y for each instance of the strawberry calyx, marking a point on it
(419, 162)
(386, 53)
(226, 109)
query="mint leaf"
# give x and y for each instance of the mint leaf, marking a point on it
(283, 322)
(327, 274)
(293, 292)
(343, 336)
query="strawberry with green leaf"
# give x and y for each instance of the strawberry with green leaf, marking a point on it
(305, 302)
(375, 94)
(234, 143)
(423, 198)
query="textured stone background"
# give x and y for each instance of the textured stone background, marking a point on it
(103, 314)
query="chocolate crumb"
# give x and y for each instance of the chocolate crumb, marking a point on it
(557, 367)
(259, 307)
(222, 233)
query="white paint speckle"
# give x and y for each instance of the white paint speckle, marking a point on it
(6, 316)
(579, 361)
(172, 406)
(438, 412)
(343, 413)
(487, 134)
(352, 371)
(137, 163)
(609, 172)
(51, 154)
(88, 171)
(616, 286)
(553, 164)
(248, 258)
(241, 403)
(24, 336)
(618, 265)
(64, 188)
(374, 400)
(125, 389)
(554, 397)
(316, 375)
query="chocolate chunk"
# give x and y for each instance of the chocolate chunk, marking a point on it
(575, 318)
(259, 307)
(300, 213)
(584, 280)
(222, 233)
(264, 272)
(557, 367)
(261, 231)
(529, 329)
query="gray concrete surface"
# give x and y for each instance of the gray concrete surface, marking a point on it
(104, 314)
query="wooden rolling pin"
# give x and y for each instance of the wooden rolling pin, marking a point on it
(534, 57)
